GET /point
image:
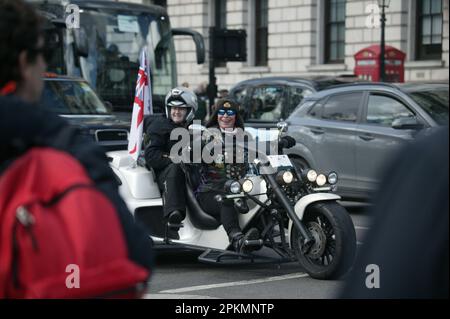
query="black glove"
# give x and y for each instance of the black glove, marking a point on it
(286, 142)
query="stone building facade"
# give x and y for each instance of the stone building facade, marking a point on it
(305, 37)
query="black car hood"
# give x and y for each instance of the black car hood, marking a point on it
(108, 131)
(97, 121)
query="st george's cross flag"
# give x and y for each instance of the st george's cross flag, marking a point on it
(142, 106)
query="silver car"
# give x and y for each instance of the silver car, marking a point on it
(354, 129)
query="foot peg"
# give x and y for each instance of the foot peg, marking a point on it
(174, 220)
(254, 243)
(175, 226)
(251, 241)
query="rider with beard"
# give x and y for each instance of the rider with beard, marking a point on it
(181, 105)
(226, 118)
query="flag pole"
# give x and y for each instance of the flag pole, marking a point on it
(142, 106)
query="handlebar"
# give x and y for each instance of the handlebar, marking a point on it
(286, 142)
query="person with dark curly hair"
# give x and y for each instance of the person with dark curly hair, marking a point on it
(227, 121)
(21, 51)
(25, 124)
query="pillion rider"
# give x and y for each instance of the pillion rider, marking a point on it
(181, 105)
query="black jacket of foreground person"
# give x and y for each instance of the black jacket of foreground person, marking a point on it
(24, 125)
(408, 240)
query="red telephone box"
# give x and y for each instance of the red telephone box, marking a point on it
(367, 64)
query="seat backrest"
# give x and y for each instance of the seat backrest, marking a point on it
(193, 175)
(199, 218)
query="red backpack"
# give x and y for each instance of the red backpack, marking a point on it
(56, 228)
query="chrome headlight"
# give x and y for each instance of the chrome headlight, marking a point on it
(333, 178)
(233, 187)
(311, 175)
(321, 180)
(247, 185)
(284, 177)
(288, 177)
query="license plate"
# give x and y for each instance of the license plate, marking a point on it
(279, 161)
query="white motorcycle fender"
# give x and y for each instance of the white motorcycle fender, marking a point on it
(307, 200)
(137, 182)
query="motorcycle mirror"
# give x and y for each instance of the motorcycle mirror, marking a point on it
(282, 126)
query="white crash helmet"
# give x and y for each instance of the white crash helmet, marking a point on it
(182, 97)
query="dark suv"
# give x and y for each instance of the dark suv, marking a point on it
(73, 99)
(355, 129)
(266, 101)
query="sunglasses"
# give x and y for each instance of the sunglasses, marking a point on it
(222, 112)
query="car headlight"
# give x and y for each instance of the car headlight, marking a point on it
(311, 175)
(247, 185)
(333, 178)
(233, 187)
(321, 180)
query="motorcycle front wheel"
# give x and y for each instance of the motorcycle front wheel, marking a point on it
(334, 249)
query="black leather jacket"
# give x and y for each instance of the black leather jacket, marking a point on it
(159, 145)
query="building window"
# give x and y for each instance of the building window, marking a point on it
(429, 35)
(335, 31)
(162, 3)
(261, 32)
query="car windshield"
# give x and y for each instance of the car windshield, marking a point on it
(434, 102)
(115, 42)
(66, 97)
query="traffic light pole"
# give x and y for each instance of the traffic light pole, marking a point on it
(383, 45)
(212, 89)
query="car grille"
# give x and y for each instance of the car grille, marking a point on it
(111, 135)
